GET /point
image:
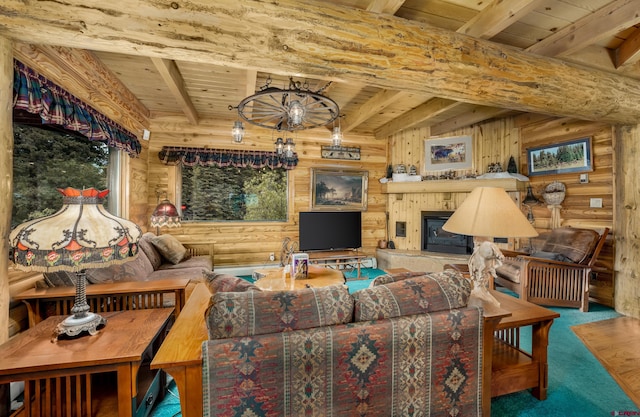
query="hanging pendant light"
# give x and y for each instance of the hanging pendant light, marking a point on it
(279, 146)
(289, 148)
(237, 131)
(336, 137)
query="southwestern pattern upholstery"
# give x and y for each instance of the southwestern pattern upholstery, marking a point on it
(421, 364)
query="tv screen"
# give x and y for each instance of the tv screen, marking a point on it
(330, 230)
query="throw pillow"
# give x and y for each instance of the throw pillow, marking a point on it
(170, 248)
(397, 276)
(227, 283)
(431, 292)
(239, 314)
(60, 279)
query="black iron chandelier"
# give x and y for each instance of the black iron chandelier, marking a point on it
(288, 109)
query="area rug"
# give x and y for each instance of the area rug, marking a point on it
(614, 343)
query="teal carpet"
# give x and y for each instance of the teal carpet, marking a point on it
(578, 384)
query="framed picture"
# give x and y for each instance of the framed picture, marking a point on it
(559, 158)
(335, 189)
(448, 153)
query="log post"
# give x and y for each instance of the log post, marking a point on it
(6, 191)
(626, 221)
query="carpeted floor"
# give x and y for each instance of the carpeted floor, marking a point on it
(578, 384)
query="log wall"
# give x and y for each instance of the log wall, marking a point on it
(250, 243)
(537, 130)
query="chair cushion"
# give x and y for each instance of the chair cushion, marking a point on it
(135, 270)
(510, 269)
(422, 294)
(170, 248)
(238, 314)
(573, 243)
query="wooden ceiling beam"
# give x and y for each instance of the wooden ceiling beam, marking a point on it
(497, 16)
(477, 115)
(605, 22)
(374, 105)
(629, 51)
(420, 114)
(171, 76)
(385, 6)
(315, 38)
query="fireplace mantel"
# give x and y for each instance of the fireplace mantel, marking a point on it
(452, 186)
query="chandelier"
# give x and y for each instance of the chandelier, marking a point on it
(296, 107)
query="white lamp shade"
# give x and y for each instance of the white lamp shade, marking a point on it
(489, 212)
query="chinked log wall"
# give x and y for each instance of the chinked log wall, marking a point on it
(497, 141)
(250, 243)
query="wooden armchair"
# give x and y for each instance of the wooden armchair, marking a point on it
(557, 275)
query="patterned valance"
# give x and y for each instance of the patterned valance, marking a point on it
(36, 94)
(225, 157)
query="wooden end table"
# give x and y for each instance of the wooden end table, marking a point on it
(104, 297)
(58, 376)
(274, 279)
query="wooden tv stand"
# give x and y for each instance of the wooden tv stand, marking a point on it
(338, 258)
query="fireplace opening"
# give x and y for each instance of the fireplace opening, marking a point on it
(435, 239)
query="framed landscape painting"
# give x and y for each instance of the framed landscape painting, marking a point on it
(339, 189)
(448, 153)
(560, 158)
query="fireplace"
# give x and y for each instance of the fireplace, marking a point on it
(434, 239)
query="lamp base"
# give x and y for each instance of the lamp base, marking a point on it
(73, 326)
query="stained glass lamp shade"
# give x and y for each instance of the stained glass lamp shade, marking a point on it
(81, 235)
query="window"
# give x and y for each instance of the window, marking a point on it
(211, 193)
(48, 157)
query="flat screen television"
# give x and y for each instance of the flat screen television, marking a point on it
(330, 230)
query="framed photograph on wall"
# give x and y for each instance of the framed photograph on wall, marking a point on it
(338, 189)
(448, 153)
(560, 158)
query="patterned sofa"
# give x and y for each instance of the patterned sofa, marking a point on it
(406, 346)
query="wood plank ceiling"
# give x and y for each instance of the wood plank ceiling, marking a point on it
(600, 34)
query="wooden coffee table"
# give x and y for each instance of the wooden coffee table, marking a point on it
(58, 376)
(274, 279)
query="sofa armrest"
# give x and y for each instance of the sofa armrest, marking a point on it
(183, 344)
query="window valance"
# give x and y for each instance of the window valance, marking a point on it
(36, 94)
(225, 157)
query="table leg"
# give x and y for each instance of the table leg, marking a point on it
(539, 344)
(487, 361)
(126, 389)
(188, 380)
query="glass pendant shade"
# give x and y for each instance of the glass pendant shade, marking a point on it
(296, 112)
(336, 136)
(165, 215)
(279, 146)
(289, 148)
(237, 131)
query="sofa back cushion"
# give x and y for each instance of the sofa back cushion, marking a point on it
(227, 283)
(396, 276)
(135, 270)
(150, 250)
(415, 295)
(233, 314)
(573, 243)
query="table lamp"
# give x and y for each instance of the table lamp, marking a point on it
(82, 234)
(487, 212)
(165, 214)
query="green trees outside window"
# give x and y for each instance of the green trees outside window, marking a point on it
(233, 194)
(47, 159)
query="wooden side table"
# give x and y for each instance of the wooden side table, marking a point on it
(58, 376)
